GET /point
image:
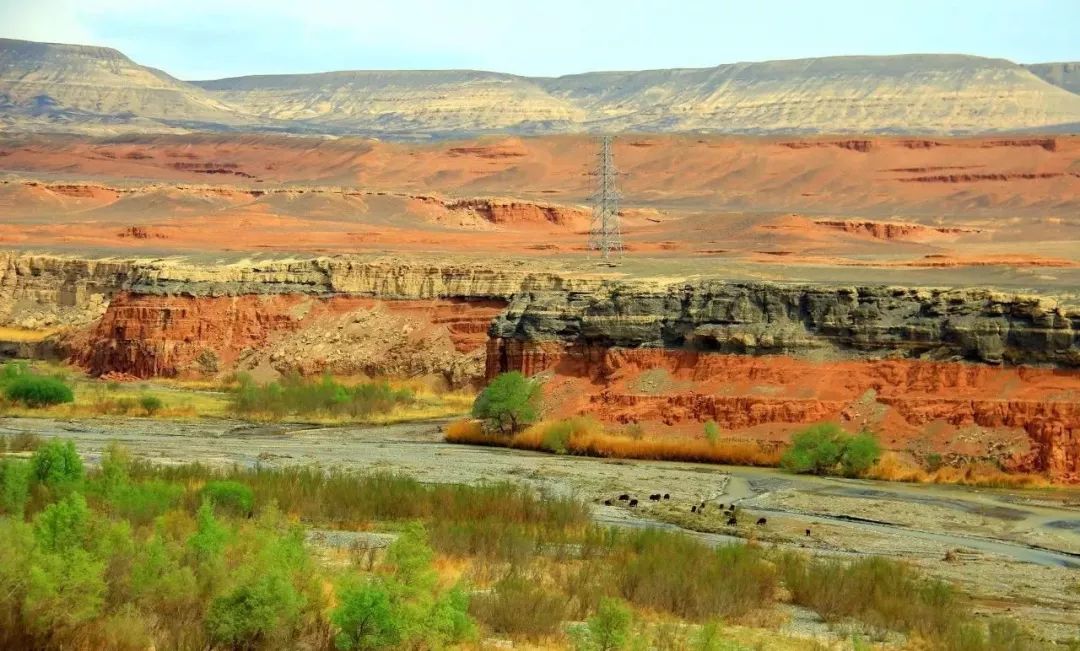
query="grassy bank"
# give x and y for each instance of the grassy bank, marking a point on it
(132, 555)
(586, 437)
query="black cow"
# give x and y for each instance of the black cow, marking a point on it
(693, 509)
(731, 522)
(807, 533)
(667, 496)
(761, 521)
(624, 497)
(607, 502)
(633, 502)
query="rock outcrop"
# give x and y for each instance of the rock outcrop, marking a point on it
(766, 318)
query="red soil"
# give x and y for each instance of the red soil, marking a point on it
(1029, 418)
(146, 336)
(1005, 196)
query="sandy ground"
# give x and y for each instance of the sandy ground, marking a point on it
(1015, 552)
(945, 211)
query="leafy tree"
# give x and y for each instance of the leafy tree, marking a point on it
(208, 541)
(14, 486)
(64, 525)
(57, 463)
(262, 608)
(827, 449)
(449, 621)
(64, 590)
(160, 581)
(38, 391)
(509, 403)
(365, 618)
(412, 557)
(860, 453)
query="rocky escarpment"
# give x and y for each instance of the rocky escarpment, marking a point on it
(924, 367)
(763, 318)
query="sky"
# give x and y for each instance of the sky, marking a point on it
(206, 39)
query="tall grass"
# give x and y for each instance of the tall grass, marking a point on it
(585, 437)
(892, 467)
(297, 396)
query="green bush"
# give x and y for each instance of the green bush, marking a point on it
(57, 463)
(365, 619)
(150, 404)
(230, 495)
(826, 449)
(14, 486)
(557, 437)
(266, 608)
(295, 395)
(607, 630)
(509, 403)
(712, 432)
(521, 605)
(38, 391)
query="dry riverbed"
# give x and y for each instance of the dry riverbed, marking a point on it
(1015, 552)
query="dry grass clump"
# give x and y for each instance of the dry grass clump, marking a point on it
(892, 467)
(586, 437)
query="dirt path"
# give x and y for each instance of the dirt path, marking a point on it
(1014, 551)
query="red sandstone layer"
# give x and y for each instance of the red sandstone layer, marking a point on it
(1027, 418)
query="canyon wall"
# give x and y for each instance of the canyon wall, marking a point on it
(969, 372)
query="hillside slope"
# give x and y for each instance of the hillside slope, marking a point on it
(51, 87)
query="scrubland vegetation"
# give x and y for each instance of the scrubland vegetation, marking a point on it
(130, 555)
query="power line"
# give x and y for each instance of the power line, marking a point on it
(605, 234)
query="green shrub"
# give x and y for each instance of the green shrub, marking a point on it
(557, 437)
(678, 574)
(826, 449)
(14, 486)
(295, 395)
(521, 605)
(365, 619)
(64, 525)
(860, 454)
(38, 391)
(266, 608)
(712, 432)
(150, 404)
(607, 630)
(63, 590)
(57, 463)
(509, 403)
(142, 502)
(230, 495)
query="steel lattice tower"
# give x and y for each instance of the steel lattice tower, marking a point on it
(605, 234)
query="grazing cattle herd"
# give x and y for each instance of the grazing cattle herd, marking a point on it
(729, 511)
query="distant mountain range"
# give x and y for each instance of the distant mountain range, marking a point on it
(55, 87)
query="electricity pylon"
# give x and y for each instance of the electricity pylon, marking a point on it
(605, 235)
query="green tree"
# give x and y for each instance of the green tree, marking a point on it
(208, 541)
(14, 486)
(57, 463)
(860, 453)
(63, 590)
(817, 450)
(365, 618)
(64, 525)
(509, 403)
(265, 607)
(412, 557)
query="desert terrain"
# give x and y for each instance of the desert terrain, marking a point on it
(890, 244)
